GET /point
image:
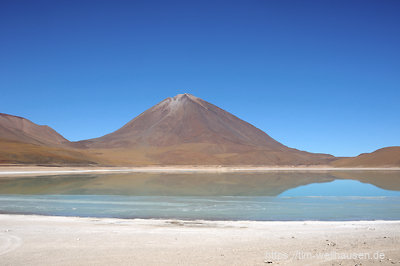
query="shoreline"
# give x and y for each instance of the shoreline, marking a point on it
(52, 170)
(156, 221)
(199, 221)
(59, 240)
(153, 220)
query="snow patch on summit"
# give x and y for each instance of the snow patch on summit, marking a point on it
(172, 104)
(175, 102)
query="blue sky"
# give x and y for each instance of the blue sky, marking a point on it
(322, 76)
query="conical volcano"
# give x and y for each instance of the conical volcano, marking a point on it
(186, 119)
(188, 130)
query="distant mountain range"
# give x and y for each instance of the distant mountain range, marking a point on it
(183, 130)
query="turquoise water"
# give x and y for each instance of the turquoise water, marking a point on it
(262, 197)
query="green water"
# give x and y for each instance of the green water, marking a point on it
(290, 195)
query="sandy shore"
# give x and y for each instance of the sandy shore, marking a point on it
(42, 240)
(45, 170)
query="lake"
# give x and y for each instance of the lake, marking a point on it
(275, 195)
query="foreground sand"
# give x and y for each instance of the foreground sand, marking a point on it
(42, 240)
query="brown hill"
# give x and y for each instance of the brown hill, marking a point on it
(188, 130)
(385, 157)
(24, 142)
(23, 130)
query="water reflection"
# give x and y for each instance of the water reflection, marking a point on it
(205, 184)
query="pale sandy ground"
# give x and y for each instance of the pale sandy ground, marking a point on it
(42, 240)
(45, 170)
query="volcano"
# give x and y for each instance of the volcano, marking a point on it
(188, 130)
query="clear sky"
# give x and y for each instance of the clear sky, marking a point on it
(322, 76)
